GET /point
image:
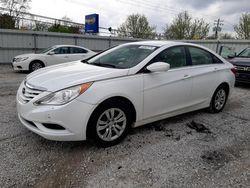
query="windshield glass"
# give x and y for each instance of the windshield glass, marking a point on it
(123, 57)
(47, 49)
(245, 53)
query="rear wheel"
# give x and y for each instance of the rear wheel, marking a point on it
(35, 65)
(219, 100)
(110, 123)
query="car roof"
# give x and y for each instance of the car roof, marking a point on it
(157, 43)
(67, 45)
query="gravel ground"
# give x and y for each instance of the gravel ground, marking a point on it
(167, 153)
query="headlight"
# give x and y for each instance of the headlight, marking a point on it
(63, 96)
(20, 59)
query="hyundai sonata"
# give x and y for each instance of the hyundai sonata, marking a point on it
(126, 86)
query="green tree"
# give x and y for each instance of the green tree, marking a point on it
(137, 26)
(243, 28)
(184, 27)
(7, 21)
(40, 26)
(15, 9)
(63, 29)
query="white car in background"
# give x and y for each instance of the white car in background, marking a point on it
(127, 86)
(51, 56)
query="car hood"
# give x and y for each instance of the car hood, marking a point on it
(240, 61)
(65, 75)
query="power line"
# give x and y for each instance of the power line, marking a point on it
(218, 26)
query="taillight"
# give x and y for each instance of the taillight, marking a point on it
(234, 70)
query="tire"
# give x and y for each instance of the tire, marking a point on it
(110, 123)
(35, 65)
(219, 100)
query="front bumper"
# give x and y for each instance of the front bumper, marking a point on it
(71, 118)
(22, 65)
(242, 77)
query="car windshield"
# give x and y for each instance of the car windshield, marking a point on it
(245, 53)
(123, 57)
(47, 49)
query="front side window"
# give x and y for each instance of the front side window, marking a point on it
(123, 56)
(175, 57)
(245, 53)
(47, 50)
(200, 56)
(61, 50)
(74, 50)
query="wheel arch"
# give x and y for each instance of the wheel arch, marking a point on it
(226, 86)
(110, 100)
(36, 60)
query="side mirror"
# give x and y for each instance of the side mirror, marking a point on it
(232, 55)
(158, 67)
(51, 53)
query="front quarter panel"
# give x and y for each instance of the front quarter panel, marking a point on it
(130, 87)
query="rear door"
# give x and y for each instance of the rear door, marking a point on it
(205, 71)
(78, 53)
(170, 90)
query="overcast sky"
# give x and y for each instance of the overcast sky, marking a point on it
(159, 12)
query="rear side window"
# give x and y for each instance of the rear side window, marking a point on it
(175, 57)
(61, 50)
(74, 50)
(200, 56)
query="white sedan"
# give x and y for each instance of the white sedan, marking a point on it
(127, 86)
(51, 56)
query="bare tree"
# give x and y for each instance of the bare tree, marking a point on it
(15, 7)
(183, 27)
(243, 28)
(66, 21)
(137, 26)
(226, 36)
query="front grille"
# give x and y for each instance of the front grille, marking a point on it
(28, 93)
(242, 68)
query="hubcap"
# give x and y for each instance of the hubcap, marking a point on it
(36, 66)
(220, 99)
(111, 124)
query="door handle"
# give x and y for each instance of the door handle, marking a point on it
(216, 69)
(186, 76)
(66, 56)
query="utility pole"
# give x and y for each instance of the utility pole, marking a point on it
(218, 23)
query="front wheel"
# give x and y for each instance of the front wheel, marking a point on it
(219, 100)
(35, 66)
(110, 123)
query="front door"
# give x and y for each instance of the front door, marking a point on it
(62, 55)
(166, 92)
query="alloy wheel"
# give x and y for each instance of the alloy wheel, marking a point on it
(220, 99)
(111, 124)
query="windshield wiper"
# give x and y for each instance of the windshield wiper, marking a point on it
(103, 65)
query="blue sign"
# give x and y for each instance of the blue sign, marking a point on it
(92, 23)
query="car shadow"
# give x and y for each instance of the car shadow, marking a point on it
(243, 85)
